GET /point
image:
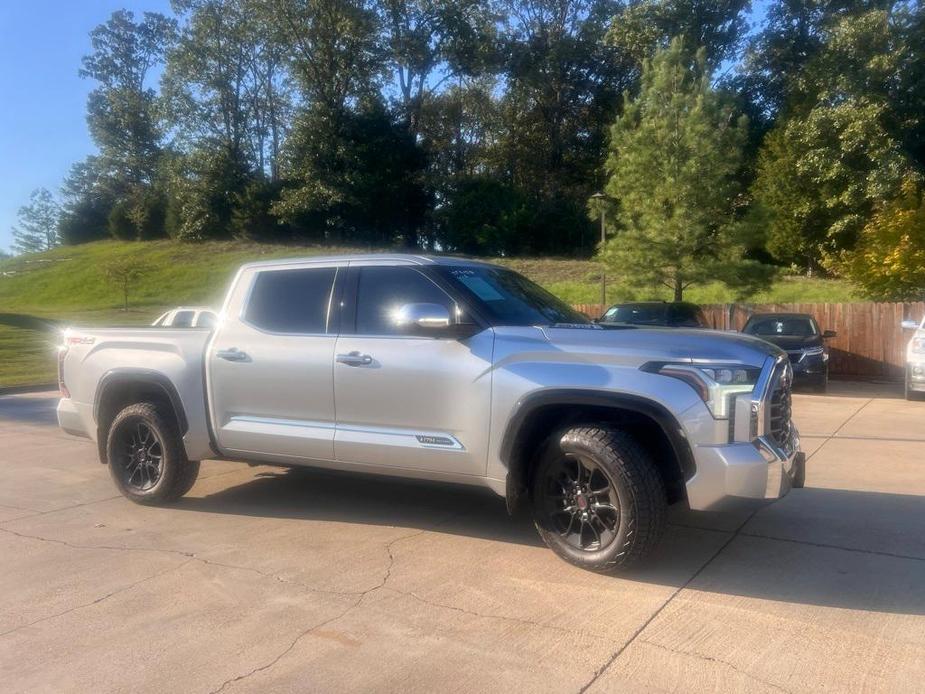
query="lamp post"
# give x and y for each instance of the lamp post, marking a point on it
(601, 198)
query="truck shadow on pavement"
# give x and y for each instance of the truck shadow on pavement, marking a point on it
(823, 547)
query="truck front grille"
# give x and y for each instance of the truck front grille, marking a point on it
(780, 426)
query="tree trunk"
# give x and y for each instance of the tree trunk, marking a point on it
(678, 289)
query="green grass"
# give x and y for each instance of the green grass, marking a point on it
(68, 284)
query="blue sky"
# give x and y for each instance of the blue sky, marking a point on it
(42, 99)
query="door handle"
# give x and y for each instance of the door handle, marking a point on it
(354, 359)
(232, 354)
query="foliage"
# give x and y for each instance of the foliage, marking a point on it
(38, 223)
(889, 259)
(224, 85)
(823, 170)
(122, 110)
(87, 204)
(482, 125)
(357, 178)
(124, 273)
(717, 26)
(482, 216)
(675, 153)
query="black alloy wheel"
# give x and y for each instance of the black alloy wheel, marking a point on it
(581, 502)
(139, 456)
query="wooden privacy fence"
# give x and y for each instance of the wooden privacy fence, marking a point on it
(870, 341)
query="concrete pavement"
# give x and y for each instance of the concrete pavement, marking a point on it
(264, 579)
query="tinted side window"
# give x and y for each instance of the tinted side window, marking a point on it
(291, 301)
(206, 320)
(183, 319)
(687, 316)
(382, 290)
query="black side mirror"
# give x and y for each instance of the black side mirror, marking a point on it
(829, 334)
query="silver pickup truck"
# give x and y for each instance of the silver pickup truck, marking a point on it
(442, 369)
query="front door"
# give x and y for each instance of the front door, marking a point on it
(270, 366)
(409, 401)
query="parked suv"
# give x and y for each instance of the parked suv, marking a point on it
(442, 369)
(655, 314)
(799, 335)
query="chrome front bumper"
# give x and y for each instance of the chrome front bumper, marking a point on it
(756, 470)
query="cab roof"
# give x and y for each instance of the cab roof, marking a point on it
(398, 258)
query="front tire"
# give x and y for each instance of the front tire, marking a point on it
(146, 457)
(598, 499)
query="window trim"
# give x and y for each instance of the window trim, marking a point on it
(242, 315)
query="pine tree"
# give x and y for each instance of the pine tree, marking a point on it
(38, 224)
(675, 154)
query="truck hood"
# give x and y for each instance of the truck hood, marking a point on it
(664, 344)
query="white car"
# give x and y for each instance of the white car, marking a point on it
(187, 317)
(915, 360)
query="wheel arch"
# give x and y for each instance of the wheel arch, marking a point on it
(538, 415)
(119, 388)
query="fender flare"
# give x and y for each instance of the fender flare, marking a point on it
(531, 403)
(120, 376)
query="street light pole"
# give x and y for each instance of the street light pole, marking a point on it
(601, 198)
(603, 272)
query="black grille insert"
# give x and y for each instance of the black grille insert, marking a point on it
(781, 411)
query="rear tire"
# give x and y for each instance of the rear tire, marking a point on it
(598, 499)
(146, 457)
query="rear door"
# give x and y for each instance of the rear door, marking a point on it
(270, 365)
(408, 401)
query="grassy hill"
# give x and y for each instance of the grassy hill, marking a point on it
(68, 284)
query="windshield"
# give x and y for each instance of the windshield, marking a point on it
(796, 327)
(511, 299)
(675, 315)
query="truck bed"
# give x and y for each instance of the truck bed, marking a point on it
(93, 357)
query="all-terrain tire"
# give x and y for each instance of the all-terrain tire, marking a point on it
(636, 485)
(175, 474)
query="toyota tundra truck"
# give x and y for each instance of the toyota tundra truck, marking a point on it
(449, 370)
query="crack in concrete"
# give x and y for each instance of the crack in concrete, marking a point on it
(189, 555)
(356, 603)
(499, 617)
(287, 650)
(840, 427)
(98, 600)
(18, 508)
(825, 545)
(36, 514)
(616, 654)
(711, 659)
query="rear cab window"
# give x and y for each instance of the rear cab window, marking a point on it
(291, 301)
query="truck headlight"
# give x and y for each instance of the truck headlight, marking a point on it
(717, 386)
(813, 351)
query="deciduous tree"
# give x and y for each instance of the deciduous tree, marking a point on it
(38, 224)
(888, 262)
